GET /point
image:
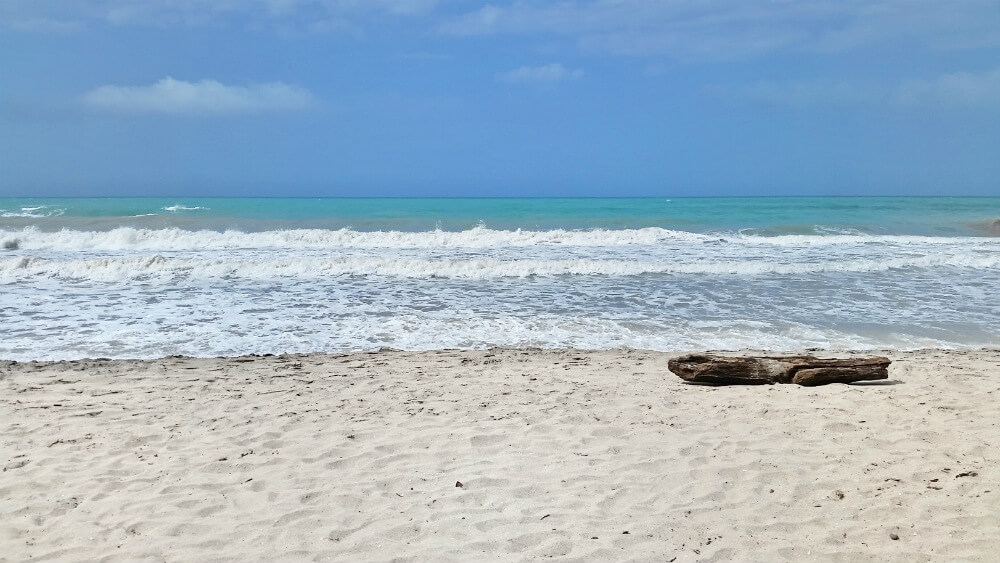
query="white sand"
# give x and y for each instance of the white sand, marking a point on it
(573, 455)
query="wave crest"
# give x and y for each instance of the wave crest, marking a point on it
(157, 266)
(174, 239)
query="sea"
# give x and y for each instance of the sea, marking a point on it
(153, 277)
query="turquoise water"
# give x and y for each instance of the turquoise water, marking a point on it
(944, 216)
(147, 277)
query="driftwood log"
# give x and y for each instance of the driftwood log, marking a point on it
(762, 370)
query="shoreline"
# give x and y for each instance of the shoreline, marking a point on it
(559, 452)
(810, 351)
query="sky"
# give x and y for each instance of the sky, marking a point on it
(509, 98)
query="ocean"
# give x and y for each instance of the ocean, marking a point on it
(150, 277)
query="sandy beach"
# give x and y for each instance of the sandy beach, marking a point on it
(504, 454)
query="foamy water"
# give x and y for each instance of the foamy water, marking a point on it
(123, 289)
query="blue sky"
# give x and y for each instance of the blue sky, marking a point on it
(452, 97)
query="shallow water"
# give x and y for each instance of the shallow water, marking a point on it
(153, 277)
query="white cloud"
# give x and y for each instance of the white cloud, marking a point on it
(959, 90)
(694, 30)
(207, 97)
(242, 13)
(547, 74)
(685, 30)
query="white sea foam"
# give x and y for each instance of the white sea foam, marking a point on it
(125, 340)
(32, 212)
(158, 266)
(130, 292)
(174, 239)
(129, 238)
(179, 207)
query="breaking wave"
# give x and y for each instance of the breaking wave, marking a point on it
(38, 212)
(174, 239)
(175, 208)
(173, 268)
